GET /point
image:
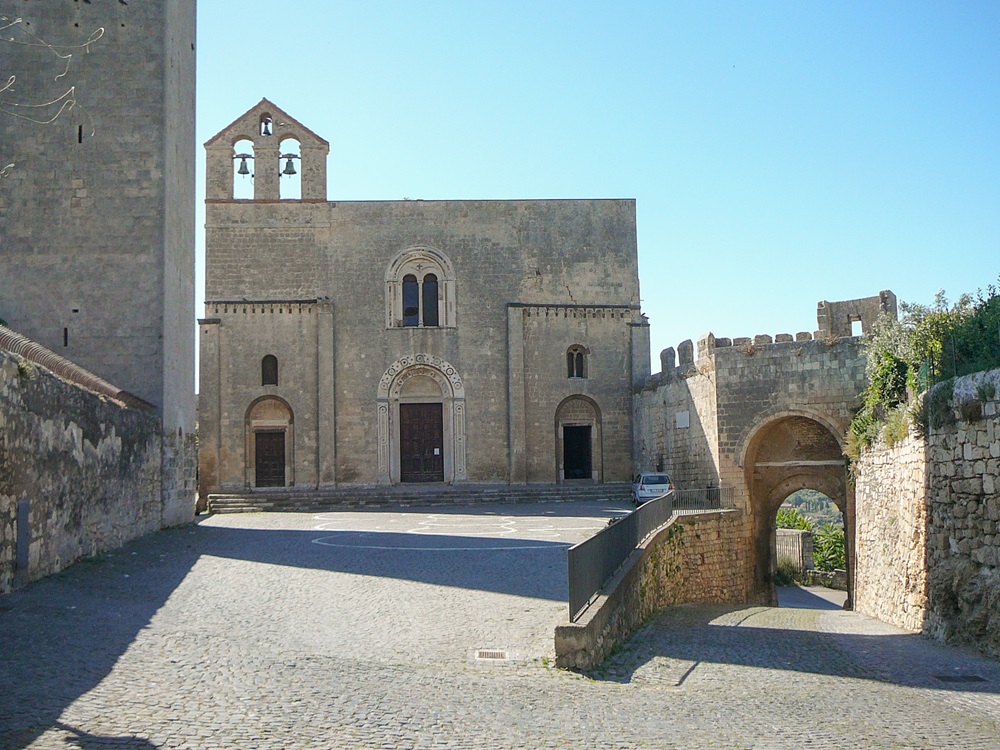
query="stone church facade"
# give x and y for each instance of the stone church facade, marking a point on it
(393, 342)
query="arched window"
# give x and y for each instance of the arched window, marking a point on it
(269, 370)
(420, 290)
(576, 362)
(429, 293)
(411, 301)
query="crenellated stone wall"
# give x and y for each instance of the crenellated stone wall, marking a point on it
(80, 472)
(928, 516)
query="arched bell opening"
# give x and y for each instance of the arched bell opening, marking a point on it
(289, 174)
(243, 169)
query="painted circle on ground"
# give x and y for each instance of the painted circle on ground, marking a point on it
(424, 542)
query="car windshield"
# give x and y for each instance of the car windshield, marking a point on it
(655, 479)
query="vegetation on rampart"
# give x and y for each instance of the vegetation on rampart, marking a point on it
(929, 345)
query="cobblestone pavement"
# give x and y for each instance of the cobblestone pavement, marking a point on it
(359, 630)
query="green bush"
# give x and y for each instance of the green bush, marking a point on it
(787, 573)
(829, 552)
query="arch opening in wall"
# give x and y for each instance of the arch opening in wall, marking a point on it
(420, 290)
(243, 169)
(270, 442)
(579, 440)
(819, 547)
(785, 455)
(289, 172)
(421, 422)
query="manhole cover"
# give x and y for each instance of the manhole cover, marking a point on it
(959, 678)
(491, 654)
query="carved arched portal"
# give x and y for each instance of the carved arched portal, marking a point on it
(792, 452)
(270, 443)
(579, 454)
(421, 422)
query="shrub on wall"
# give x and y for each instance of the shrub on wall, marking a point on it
(930, 344)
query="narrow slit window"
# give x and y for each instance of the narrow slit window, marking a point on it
(65, 337)
(430, 300)
(269, 370)
(411, 301)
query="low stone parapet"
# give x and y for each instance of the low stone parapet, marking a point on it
(693, 558)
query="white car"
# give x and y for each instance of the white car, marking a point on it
(649, 487)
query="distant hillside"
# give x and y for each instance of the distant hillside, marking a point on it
(815, 506)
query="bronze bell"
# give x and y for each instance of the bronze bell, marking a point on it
(289, 167)
(244, 169)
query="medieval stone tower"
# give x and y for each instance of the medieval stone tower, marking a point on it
(97, 206)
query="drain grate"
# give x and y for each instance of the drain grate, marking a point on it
(959, 678)
(491, 654)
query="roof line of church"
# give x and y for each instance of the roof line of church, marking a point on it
(276, 109)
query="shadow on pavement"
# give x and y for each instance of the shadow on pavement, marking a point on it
(61, 636)
(86, 741)
(692, 635)
(800, 597)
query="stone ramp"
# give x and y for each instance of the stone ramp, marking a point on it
(308, 501)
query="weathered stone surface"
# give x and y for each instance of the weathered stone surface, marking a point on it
(697, 558)
(89, 469)
(518, 287)
(927, 552)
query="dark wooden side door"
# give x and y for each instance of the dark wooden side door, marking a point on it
(421, 443)
(576, 452)
(269, 463)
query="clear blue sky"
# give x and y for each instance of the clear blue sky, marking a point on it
(780, 153)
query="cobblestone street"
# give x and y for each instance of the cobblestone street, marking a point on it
(360, 629)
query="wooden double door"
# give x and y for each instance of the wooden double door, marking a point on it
(269, 458)
(421, 443)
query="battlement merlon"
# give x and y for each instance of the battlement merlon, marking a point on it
(833, 321)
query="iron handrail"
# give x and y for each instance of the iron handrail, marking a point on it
(593, 562)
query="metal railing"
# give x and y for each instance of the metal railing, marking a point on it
(594, 561)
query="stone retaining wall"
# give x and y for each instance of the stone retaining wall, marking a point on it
(80, 473)
(695, 558)
(927, 513)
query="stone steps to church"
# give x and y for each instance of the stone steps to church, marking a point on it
(312, 501)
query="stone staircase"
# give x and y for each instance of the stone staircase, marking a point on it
(293, 499)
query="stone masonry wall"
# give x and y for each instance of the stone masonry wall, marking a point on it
(678, 431)
(697, 558)
(891, 532)
(928, 548)
(86, 469)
